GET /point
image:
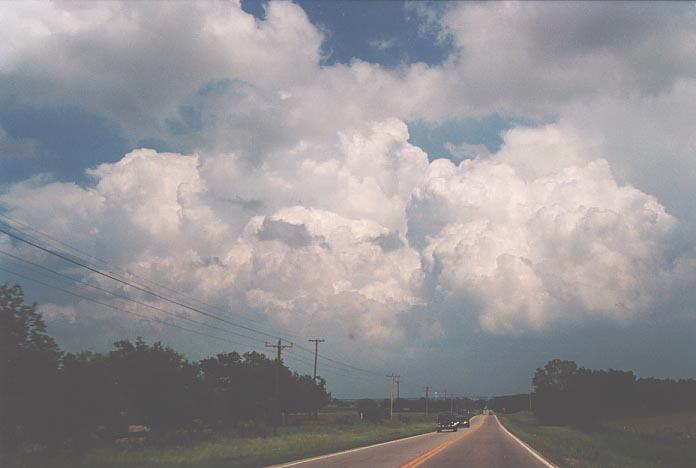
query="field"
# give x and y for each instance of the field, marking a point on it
(658, 441)
(292, 443)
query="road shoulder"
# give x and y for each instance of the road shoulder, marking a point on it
(527, 447)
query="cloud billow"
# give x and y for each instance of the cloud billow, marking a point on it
(536, 247)
(299, 197)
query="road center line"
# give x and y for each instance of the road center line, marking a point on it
(419, 460)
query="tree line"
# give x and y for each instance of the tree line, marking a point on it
(567, 394)
(52, 397)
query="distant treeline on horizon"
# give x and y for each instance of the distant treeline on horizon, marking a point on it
(565, 393)
(53, 398)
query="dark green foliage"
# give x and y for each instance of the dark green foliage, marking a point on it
(29, 361)
(89, 395)
(89, 398)
(371, 411)
(154, 385)
(568, 394)
(510, 403)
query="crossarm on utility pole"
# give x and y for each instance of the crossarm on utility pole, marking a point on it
(279, 362)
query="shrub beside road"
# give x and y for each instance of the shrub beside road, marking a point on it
(292, 443)
(667, 440)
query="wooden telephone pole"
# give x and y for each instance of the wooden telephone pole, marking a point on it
(316, 342)
(279, 410)
(394, 379)
(427, 393)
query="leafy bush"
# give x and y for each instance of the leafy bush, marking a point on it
(253, 428)
(186, 437)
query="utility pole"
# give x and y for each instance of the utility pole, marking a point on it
(394, 378)
(427, 392)
(316, 342)
(279, 415)
(398, 394)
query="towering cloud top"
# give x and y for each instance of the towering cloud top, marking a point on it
(291, 191)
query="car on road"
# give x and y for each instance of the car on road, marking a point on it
(447, 422)
(463, 421)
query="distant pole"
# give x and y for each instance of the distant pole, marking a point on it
(393, 379)
(279, 414)
(427, 392)
(451, 404)
(316, 342)
(530, 401)
(398, 393)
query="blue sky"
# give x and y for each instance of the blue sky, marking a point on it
(69, 139)
(384, 32)
(549, 213)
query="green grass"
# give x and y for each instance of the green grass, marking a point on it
(230, 452)
(667, 440)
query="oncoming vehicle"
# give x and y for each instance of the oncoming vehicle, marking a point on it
(447, 422)
(463, 421)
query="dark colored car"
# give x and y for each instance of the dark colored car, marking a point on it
(463, 421)
(446, 422)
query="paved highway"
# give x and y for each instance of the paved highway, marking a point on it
(486, 444)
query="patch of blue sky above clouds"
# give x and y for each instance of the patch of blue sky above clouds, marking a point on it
(305, 120)
(441, 140)
(65, 141)
(385, 32)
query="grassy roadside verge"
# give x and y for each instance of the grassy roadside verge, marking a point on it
(658, 441)
(231, 452)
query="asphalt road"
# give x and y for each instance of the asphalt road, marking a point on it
(486, 444)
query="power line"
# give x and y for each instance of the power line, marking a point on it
(116, 267)
(144, 304)
(333, 370)
(84, 264)
(110, 306)
(130, 284)
(160, 296)
(336, 370)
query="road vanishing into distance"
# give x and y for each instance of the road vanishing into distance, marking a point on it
(485, 445)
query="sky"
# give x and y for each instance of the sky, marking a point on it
(453, 192)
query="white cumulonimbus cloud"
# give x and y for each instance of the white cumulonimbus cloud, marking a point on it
(303, 200)
(540, 246)
(356, 231)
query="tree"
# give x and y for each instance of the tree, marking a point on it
(556, 375)
(28, 372)
(154, 384)
(89, 396)
(553, 385)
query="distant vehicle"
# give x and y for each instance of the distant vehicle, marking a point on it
(463, 421)
(447, 422)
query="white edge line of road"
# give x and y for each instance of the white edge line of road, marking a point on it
(357, 449)
(527, 447)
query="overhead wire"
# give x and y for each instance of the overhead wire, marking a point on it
(120, 296)
(338, 364)
(111, 306)
(112, 267)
